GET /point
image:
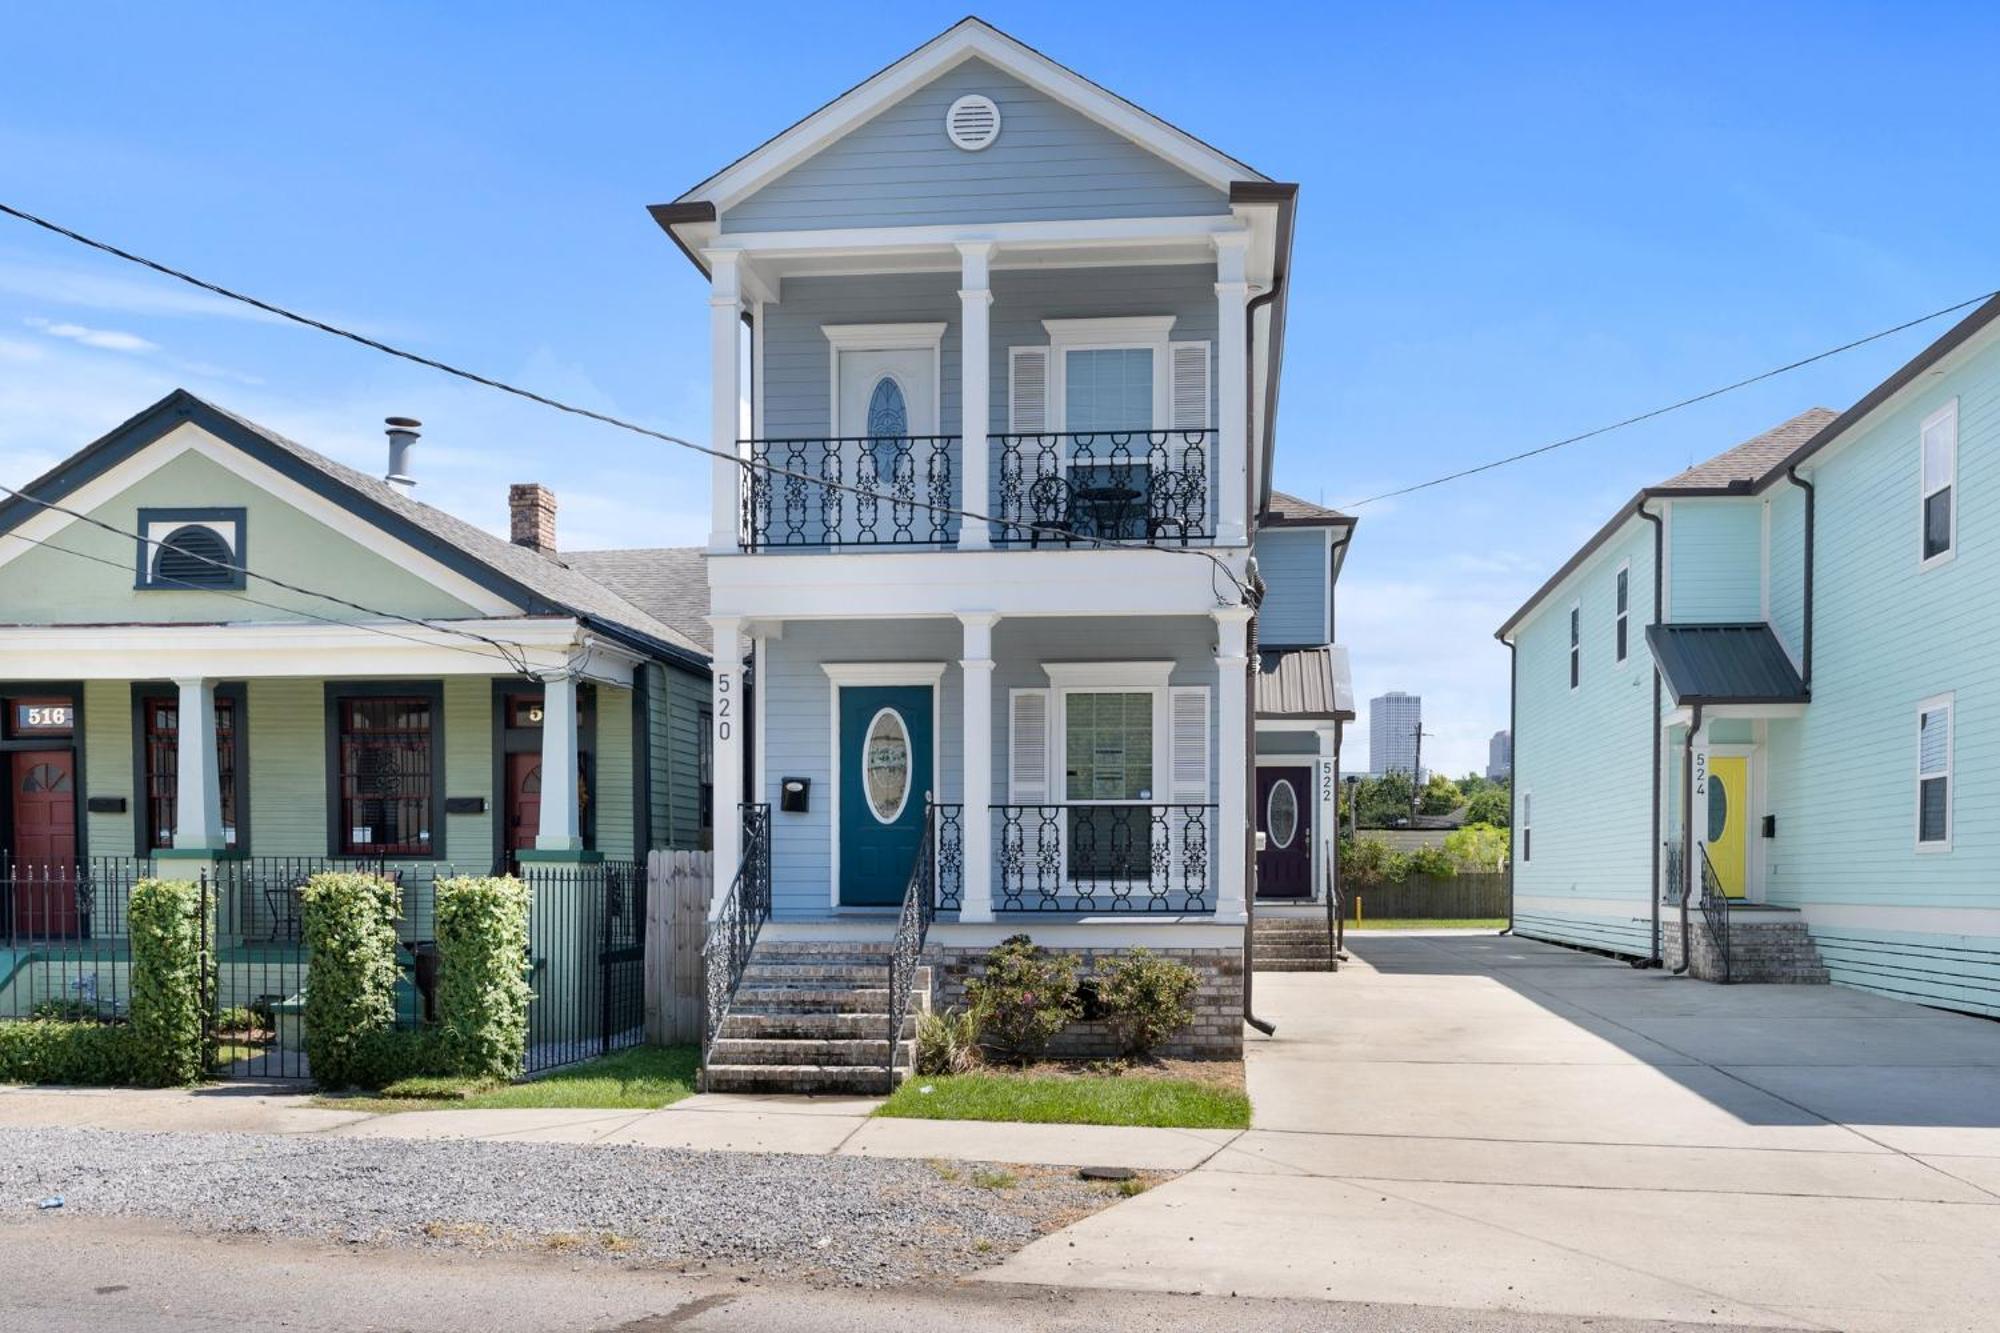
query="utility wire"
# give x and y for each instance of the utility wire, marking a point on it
(1670, 407)
(604, 418)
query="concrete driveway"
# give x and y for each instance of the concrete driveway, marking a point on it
(1494, 1123)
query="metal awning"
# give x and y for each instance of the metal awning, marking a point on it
(1308, 683)
(1725, 664)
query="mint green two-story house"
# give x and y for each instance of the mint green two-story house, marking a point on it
(1794, 641)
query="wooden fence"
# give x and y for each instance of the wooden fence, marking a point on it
(1461, 897)
(678, 886)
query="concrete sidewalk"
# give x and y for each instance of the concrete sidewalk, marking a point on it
(813, 1126)
(1498, 1124)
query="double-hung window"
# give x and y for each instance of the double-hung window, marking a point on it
(1575, 646)
(1939, 514)
(1622, 624)
(1934, 718)
(1108, 775)
(386, 755)
(1527, 821)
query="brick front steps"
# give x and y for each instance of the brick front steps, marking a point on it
(811, 1017)
(1292, 944)
(1766, 944)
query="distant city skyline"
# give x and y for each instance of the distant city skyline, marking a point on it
(1394, 719)
(1500, 755)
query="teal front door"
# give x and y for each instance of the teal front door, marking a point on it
(885, 771)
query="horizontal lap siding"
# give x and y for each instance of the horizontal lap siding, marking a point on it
(798, 359)
(1294, 566)
(468, 770)
(288, 767)
(899, 169)
(687, 695)
(1788, 567)
(1716, 559)
(1585, 756)
(615, 773)
(107, 764)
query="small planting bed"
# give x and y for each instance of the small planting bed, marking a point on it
(1430, 923)
(641, 1079)
(1178, 1094)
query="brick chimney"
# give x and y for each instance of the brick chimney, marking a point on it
(532, 507)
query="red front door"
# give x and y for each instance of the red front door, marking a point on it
(43, 788)
(1284, 817)
(524, 802)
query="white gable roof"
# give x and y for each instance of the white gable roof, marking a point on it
(968, 39)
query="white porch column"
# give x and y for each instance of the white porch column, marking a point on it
(1326, 811)
(1232, 823)
(1232, 390)
(977, 664)
(560, 829)
(198, 782)
(725, 344)
(975, 300)
(726, 737)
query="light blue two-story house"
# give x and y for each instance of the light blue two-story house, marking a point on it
(1793, 640)
(996, 361)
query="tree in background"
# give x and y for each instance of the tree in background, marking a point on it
(1477, 847)
(1493, 806)
(1384, 802)
(1440, 796)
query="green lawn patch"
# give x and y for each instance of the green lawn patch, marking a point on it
(641, 1079)
(1429, 923)
(1112, 1100)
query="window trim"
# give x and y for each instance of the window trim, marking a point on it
(1575, 645)
(1142, 333)
(1621, 617)
(336, 692)
(1946, 413)
(1524, 823)
(147, 551)
(145, 692)
(1946, 702)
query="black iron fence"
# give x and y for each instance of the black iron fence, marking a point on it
(587, 960)
(906, 953)
(732, 932)
(1480, 896)
(876, 490)
(947, 839)
(64, 951)
(1127, 857)
(1064, 487)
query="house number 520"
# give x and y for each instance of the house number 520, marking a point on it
(723, 704)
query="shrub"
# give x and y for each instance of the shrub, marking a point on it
(1494, 805)
(483, 991)
(59, 1051)
(350, 931)
(1477, 847)
(1435, 862)
(1146, 998)
(947, 1042)
(1024, 999)
(391, 1055)
(66, 1011)
(1365, 862)
(168, 982)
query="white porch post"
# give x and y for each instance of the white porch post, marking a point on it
(1326, 816)
(725, 334)
(1232, 825)
(1232, 390)
(726, 727)
(560, 829)
(198, 782)
(977, 664)
(975, 300)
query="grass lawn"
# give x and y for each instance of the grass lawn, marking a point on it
(1069, 1099)
(641, 1079)
(1429, 923)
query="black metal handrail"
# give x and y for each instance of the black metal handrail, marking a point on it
(948, 836)
(1715, 912)
(732, 931)
(1122, 857)
(912, 928)
(1138, 485)
(869, 490)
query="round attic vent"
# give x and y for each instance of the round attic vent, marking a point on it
(973, 122)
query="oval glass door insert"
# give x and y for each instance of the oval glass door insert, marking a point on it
(1281, 813)
(885, 765)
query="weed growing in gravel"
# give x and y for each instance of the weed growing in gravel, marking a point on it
(945, 1170)
(989, 1178)
(1132, 1188)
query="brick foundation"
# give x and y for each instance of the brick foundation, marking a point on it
(1215, 1034)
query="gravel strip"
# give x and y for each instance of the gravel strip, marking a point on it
(860, 1221)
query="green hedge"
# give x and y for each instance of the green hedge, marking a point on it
(483, 991)
(169, 988)
(350, 936)
(57, 1051)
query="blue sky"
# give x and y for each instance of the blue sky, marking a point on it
(1516, 223)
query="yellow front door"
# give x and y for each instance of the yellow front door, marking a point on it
(1728, 821)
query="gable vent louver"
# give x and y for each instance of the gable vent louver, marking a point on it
(194, 557)
(972, 122)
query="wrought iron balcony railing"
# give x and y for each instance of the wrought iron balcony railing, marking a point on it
(1124, 857)
(878, 490)
(1086, 486)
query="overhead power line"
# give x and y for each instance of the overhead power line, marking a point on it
(604, 418)
(1670, 407)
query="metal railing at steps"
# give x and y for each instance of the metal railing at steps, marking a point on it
(732, 934)
(912, 927)
(1715, 912)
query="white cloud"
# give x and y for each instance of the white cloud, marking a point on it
(105, 340)
(62, 284)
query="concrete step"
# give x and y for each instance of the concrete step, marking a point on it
(809, 1025)
(816, 999)
(852, 1080)
(1294, 964)
(830, 1054)
(875, 950)
(817, 974)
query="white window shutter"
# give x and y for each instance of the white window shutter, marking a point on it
(1028, 390)
(1191, 834)
(1028, 747)
(1188, 709)
(1190, 386)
